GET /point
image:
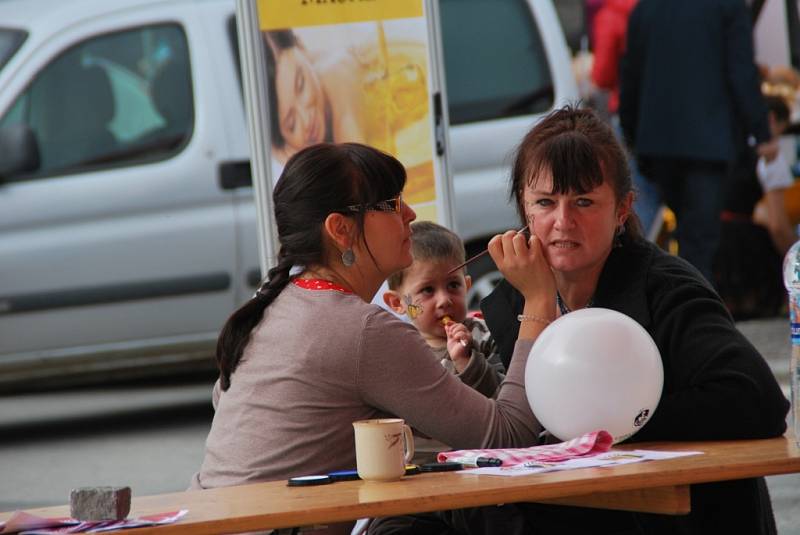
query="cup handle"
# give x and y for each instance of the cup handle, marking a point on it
(408, 442)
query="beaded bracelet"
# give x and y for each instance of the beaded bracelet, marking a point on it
(528, 317)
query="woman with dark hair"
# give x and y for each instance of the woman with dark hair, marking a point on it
(308, 354)
(571, 183)
(572, 186)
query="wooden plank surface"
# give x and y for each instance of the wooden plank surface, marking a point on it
(673, 500)
(658, 486)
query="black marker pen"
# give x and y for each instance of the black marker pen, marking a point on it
(477, 461)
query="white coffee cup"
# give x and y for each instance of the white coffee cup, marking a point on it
(383, 448)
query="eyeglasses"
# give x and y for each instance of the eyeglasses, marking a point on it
(393, 205)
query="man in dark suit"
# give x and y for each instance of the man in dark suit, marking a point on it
(689, 92)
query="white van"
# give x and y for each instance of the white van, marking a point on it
(127, 225)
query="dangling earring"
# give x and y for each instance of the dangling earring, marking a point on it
(348, 257)
(618, 235)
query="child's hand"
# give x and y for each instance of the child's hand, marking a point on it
(459, 344)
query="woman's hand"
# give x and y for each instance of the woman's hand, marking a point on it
(523, 264)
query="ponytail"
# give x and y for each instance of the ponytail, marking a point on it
(235, 334)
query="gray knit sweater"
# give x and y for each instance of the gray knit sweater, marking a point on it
(318, 361)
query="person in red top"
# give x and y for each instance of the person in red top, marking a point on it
(609, 28)
(608, 32)
(590, 9)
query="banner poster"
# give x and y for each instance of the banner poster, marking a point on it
(354, 70)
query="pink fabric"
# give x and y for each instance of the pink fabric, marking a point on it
(24, 522)
(588, 444)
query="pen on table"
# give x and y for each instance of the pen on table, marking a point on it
(477, 256)
(477, 461)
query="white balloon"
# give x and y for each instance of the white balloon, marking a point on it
(594, 369)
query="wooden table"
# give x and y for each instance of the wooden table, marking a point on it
(654, 486)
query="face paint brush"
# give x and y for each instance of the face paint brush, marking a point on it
(477, 256)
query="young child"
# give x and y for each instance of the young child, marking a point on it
(775, 178)
(435, 301)
(755, 234)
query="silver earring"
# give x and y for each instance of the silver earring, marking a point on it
(348, 257)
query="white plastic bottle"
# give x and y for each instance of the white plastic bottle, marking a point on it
(791, 279)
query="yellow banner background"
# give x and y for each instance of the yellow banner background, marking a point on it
(280, 14)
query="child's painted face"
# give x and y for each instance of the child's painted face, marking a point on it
(437, 294)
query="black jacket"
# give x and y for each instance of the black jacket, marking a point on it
(689, 87)
(716, 384)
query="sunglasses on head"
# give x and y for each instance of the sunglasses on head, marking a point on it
(393, 205)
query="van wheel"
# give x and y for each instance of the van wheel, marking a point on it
(485, 277)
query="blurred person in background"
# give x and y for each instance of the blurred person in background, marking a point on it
(591, 8)
(755, 234)
(689, 91)
(609, 28)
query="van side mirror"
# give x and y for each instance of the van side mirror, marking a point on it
(19, 151)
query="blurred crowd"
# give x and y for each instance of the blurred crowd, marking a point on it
(711, 135)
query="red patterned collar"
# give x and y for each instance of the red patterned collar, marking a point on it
(320, 284)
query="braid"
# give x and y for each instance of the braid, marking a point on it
(277, 279)
(235, 334)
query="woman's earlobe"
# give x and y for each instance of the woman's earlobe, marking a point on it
(623, 214)
(618, 232)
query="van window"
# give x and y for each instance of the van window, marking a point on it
(572, 16)
(233, 37)
(10, 41)
(110, 100)
(494, 60)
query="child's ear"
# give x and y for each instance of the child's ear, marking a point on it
(393, 301)
(468, 281)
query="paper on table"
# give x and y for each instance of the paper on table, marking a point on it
(609, 458)
(20, 520)
(28, 524)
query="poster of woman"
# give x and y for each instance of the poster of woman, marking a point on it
(352, 71)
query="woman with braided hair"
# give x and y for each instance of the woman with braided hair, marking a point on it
(309, 354)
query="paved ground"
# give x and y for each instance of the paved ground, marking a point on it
(150, 436)
(771, 337)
